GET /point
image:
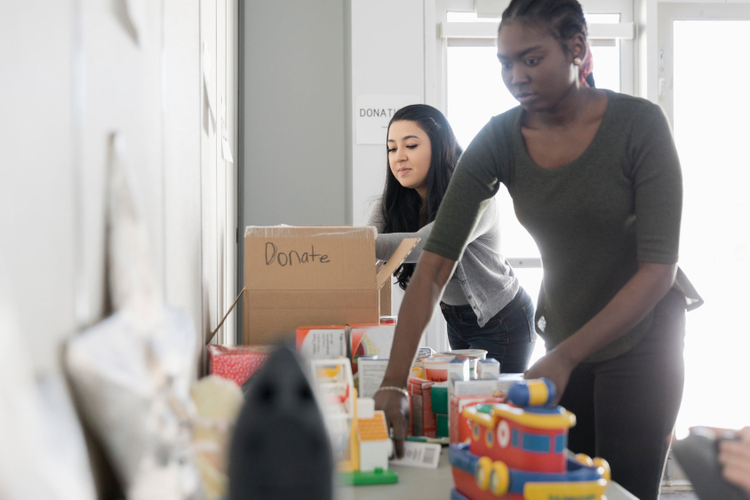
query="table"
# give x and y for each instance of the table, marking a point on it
(418, 484)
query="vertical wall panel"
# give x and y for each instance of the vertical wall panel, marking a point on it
(229, 269)
(182, 132)
(221, 169)
(209, 152)
(382, 46)
(122, 95)
(294, 126)
(387, 59)
(84, 70)
(38, 175)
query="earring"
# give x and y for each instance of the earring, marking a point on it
(577, 61)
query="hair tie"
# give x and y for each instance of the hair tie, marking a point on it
(585, 67)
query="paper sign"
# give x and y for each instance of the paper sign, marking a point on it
(373, 112)
(207, 85)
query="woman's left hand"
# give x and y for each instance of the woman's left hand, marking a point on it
(555, 367)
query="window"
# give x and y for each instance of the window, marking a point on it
(708, 115)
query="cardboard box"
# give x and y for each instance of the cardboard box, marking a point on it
(237, 362)
(323, 342)
(386, 299)
(369, 340)
(312, 275)
(488, 368)
(491, 387)
(371, 373)
(442, 425)
(423, 421)
(440, 398)
(415, 407)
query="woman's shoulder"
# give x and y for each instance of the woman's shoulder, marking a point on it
(637, 107)
(376, 214)
(497, 134)
(506, 119)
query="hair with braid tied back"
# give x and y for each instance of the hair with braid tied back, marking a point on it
(564, 19)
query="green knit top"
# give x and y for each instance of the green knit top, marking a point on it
(593, 219)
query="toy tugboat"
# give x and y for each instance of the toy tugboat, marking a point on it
(517, 451)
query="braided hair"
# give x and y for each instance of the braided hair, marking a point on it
(402, 207)
(565, 20)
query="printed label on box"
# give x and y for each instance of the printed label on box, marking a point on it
(422, 455)
(371, 373)
(323, 342)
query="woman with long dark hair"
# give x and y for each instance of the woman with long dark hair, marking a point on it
(595, 179)
(483, 304)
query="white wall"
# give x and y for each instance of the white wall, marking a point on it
(74, 72)
(38, 171)
(387, 58)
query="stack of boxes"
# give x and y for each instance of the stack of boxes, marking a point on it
(313, 275)
(326, 276)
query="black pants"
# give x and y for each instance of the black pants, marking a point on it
(626, 407)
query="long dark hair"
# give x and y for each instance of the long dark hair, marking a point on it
(402, 207)
(564, 18)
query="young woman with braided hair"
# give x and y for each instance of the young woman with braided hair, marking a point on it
(595, 179)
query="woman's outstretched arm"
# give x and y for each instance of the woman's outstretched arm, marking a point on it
(425, 289)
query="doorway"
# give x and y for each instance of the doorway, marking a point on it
(704, 79)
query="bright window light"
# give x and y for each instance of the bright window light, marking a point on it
(711, 132)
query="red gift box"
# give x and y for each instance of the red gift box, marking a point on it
(236, 362)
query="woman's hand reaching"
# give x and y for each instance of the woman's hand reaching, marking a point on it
(555, 367)
(396, 407)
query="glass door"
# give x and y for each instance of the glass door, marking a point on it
(704, 80)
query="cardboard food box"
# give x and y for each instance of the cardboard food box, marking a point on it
(423, 421)
(312, 275)
(237, 362)
(440, 398)
(491, 387)
(370, 340)
(323, 342)
(371, 373)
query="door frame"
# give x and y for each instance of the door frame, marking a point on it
(667, 14)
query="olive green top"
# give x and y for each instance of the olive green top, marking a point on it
(593, 219)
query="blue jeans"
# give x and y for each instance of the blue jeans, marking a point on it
(509, 336)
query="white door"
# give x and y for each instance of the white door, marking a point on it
(705, 77)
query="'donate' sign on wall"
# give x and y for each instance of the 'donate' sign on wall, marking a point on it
(373, 112)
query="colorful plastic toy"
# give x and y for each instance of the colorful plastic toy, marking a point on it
(358, 433)
(517, 450)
